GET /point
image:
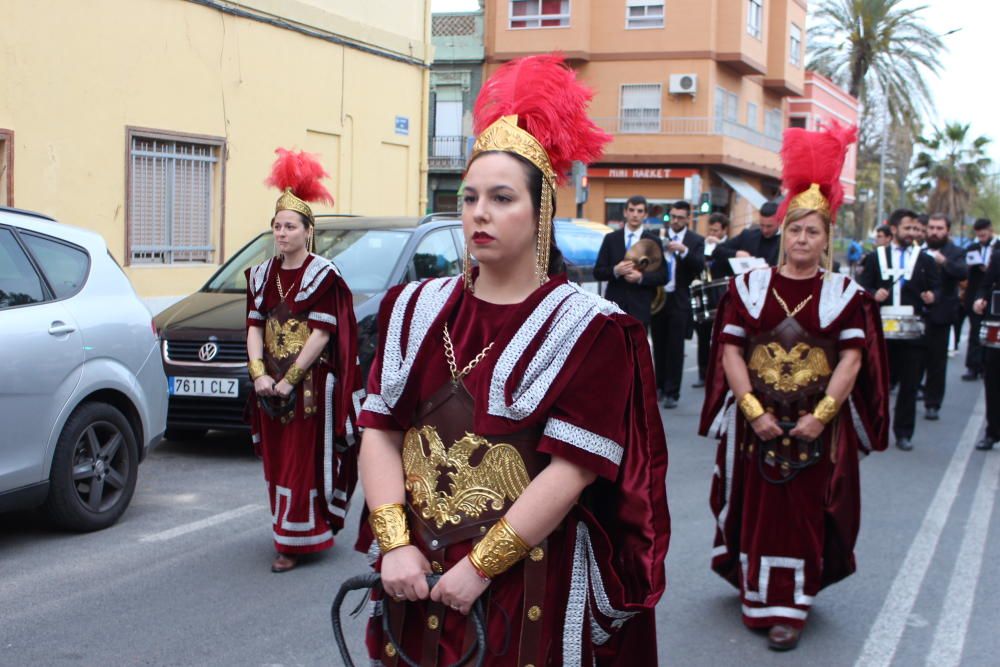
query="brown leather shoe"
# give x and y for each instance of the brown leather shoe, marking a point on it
(783, 638)
(283, 563)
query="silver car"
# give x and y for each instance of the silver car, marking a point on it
(83, 396)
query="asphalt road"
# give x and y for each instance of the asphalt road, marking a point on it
(184, 578)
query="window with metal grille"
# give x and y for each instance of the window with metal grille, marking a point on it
(640, 107)
(755, 18)
(643, 14)
(795, 45)
(174, 199)
(727, 105)
(539, 13)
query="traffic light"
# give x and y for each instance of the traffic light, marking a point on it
(705, 207)
(666, 218)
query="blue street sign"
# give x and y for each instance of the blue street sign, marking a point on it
(402, 125)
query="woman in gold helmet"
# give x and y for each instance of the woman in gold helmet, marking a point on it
(512, 442)
(302, 347)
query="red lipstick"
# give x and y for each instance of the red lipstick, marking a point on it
(481, 238)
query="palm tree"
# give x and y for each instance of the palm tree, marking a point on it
(951, 169)
(877, 47)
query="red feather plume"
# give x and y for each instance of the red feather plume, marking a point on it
(302, 173)
(815, 157)
(550, 104)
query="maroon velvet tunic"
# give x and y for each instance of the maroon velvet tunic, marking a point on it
(594, 393)
(310, 465)
(781, 543)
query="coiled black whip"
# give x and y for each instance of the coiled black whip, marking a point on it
(373, 581)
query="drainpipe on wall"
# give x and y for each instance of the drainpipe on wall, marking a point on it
(425, 83)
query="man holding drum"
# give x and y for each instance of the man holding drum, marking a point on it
(904, 281)
(988, 308)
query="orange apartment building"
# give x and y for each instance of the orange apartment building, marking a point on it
(686, 87)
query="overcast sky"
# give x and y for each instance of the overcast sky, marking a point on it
(966, 90)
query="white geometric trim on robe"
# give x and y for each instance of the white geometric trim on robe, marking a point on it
(314, 275)
(323, 317)
(357, 398)
(304, 541)
(836, 292)
(571, 310)
(730, 462)
(588, 441)
(752, 290)
(254, 315)
(328, 444)
(396, 365)
(586, 581)
(777, 612)
(849, 334)
(768, 563)
(859, 426)
(293, 526)
(374, 551)
(720, 550)
(258, 276)
(734, 330)
(375, 404)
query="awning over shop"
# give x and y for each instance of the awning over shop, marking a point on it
(744, 189)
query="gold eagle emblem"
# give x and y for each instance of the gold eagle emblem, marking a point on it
(284, 340)
(500, 476)
(791, 370)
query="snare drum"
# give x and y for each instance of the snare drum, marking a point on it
(989, 334)
(705, 299)
(902, 327)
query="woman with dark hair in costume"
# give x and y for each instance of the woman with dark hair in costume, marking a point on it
(798, 390)
(512, 437)
(302, 346)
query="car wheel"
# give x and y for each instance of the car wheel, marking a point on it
(182, 434)
(94, 469)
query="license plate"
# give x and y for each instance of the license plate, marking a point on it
(890, 326)
(213, 387)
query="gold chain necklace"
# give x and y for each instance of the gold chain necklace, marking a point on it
(784, 306)
(449, 353)
(281, 292)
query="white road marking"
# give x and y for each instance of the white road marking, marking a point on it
(949, 638)
(201, 524)
(887, 630)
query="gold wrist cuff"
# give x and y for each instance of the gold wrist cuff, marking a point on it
(256, 368)
(294, 375)
(499, 551)
(751, 407)
(388, 522)
(826, 409)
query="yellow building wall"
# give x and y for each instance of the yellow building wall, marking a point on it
(176, 66)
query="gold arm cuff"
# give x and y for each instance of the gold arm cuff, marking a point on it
(256, 368)
(294, 375)
(499, 551)
(751, 407)
(826, 409)
(388, 522)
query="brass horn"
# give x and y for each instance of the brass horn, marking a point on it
(646, 255)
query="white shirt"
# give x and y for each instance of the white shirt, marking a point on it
(672, 257)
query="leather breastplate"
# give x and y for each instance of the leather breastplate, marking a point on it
(790, 368)
(284, 337)
(458, 483)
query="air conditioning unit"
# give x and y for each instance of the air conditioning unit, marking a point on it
(683, 84)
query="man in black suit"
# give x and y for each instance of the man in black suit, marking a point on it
(946, 309)
(684, 259)
(763, 241)
(628, 287)
(986, 307)
(718, 232)
(977, 258)
(900, 274)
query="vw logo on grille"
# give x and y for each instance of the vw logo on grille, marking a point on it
(208, 351)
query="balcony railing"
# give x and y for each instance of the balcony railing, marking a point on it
(449, 152)
(679, 127)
